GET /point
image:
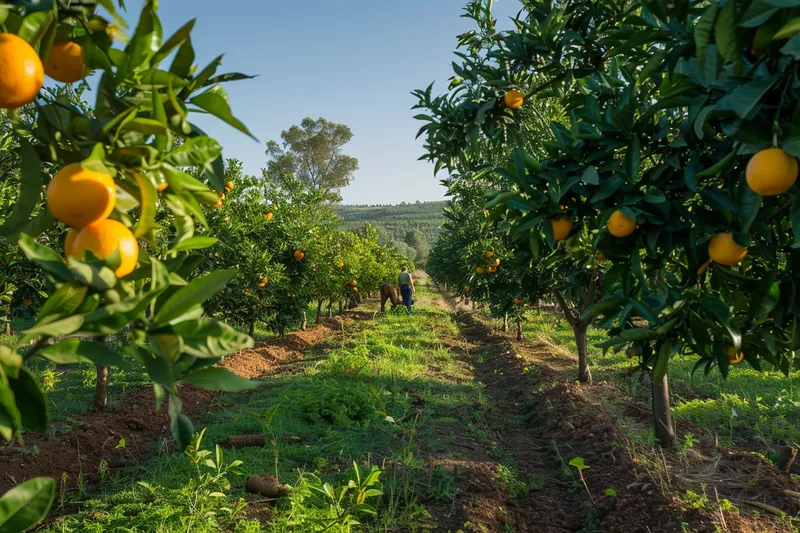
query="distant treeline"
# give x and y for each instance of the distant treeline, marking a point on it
(394, 221)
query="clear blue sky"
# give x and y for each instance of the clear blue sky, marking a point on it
(350, 61)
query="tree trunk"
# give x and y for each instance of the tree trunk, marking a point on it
(340, 307)
(520, 337)
(319, 310)
(304, 323)
(252, 329)
(505, 323)
(8, 327)
(662, 418)
(584, 374)
(330, 308)
(101, 388)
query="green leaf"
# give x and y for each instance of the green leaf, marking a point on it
(149, 203)
(182, 430)
(607, 188)
(590, 176)
(578, 463)
(30, 401)
(30, 191)
(702, 31)
(44, 257)
(182, 65)
(215, 101)
(725, 33)
(93, 273)
(146, 39)
(79, 351)
(749, 204)
(210, 339)
(177, 39)
(195, 293)
(792, 47)
(796, 218)
(64, 301)
(194, 243)
(654, 195)
(220, 379)
(611, 493)
(59, 328)
(26, 505)
(757, 14)
(195, 152)
(744, 99)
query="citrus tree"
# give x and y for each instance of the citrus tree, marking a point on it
(113, 167)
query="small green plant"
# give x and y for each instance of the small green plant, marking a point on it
(695, 500)
(688, 442)
(517, 488)
(347, 502)
(579, 464)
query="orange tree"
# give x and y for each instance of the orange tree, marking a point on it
(680, 163)
(110, 166)
(486, 133)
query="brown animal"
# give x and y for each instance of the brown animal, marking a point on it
(389, 292)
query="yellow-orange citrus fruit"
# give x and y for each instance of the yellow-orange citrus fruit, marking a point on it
(355, 289)
(21, 72)
(496, 262)
(733, 357)
(65, 63)
(229, 186)
(771, 172)
(480, 270)
(77, 196)
(162, 186)
(703, 268)
(341, 264)
(620, 225)
(514, 99)
(724, 250)
(27, 302)
(517, 301)
(299, 255)
(561, 228)
(354, 283)
(488, 255)
(268, 217)
(102, 238)
(247, 292)
(222, 292)
(263, 281)
(69, 240)
(492, 269)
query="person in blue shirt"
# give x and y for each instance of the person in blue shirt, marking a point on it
(407, 289)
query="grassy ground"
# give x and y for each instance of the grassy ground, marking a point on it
(749, 405)
(357, 405)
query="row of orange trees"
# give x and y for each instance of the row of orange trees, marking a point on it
(154, 251)
(647, 179)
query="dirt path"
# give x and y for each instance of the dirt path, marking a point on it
(538, 420)
(79, 452)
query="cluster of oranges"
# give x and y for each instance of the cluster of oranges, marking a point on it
(22, 71)
(83, 199)
(492, 264)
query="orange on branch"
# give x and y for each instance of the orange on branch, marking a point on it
(65, 63)
(620, 225)
(21, 72)
(78, 197)
(724, 250)
(69, 240)
(299, 255)
(517, 301)
(771, 172)
(733, 357)
(488, 255)
(480, 270)
(103, 238)
(492, 269)
(268, 216)
(229, 186)
(514, 99)
(561, 227)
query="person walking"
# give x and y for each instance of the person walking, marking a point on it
(407, 289)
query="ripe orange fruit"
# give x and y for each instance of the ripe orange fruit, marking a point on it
(488, 255)
(247, 292)
(341, 264)
(354, 283)
(724, 250)
(299, 255)
(480, 270)
(69, 240)
(561, 227)
(620, 225)
(517, 301)
(222, 292)
(27, 302)
(771, 172)
(703, 268)
(77, 196)
(102, 238)
(65, 63)
(514, 99)
(21, 72)
(162, 186)
(733, 357)
(229, 186)
(492, 269)
(496, 262)
(355, 289)
(268, 217)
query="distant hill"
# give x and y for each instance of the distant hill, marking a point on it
(394, 221)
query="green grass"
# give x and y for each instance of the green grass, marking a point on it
(749, 405)
(358, 404)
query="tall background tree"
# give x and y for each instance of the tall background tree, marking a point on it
(312, 154)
